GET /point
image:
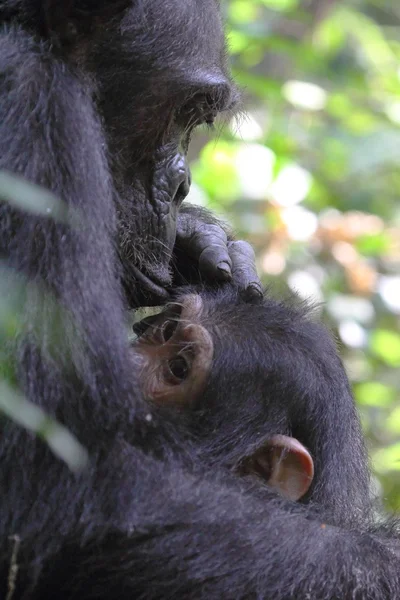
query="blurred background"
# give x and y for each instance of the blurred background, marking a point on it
(309, 172)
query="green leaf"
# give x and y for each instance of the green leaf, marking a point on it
(387, 459)
(373, 244)
(393, 421)
(385, 345)
(280, 5)
(330, 36)
(216, 173)
(243, 11)
(374, 393)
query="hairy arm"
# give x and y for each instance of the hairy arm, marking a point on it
(210, 540)
(50, 135)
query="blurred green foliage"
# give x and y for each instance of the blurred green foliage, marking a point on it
(309, 171)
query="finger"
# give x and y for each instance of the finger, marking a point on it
(244, 272)
(215, 263)
(209, 244)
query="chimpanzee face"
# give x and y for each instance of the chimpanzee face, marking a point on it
(160, 71)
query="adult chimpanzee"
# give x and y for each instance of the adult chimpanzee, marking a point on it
(96, 98)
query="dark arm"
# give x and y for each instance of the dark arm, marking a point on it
(62, 259)
(208, 540)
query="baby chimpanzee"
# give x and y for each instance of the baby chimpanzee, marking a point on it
(262, 390)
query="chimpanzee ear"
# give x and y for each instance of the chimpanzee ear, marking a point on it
(282, 462)
(291, 467)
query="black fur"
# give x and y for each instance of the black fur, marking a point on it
(276, 370)
(91, 103)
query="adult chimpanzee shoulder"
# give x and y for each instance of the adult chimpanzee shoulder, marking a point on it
(96, 98)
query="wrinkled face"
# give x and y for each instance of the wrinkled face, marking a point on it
(162, 73)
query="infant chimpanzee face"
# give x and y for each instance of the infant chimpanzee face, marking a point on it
(176, 353)
(190, 359)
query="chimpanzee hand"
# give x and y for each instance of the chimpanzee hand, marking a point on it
(204, 248)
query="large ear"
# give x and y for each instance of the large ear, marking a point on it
(292, 468)
(284, 463)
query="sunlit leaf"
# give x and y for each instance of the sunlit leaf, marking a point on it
(281, 5)
(385, 345)
(305, 95)
(330, 35)
(374, 393)
(393, 421)
(216, 171)
(237, 42)
(242, 11)
(373, 245)
(387, 459)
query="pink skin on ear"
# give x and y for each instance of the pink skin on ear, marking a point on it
(291, 467)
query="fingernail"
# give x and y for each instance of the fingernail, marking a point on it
(224, 269)
(256, 289)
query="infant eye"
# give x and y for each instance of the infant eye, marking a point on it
(168, 329)
(178, 368)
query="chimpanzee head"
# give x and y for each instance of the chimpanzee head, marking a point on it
(235, 366)
(160, 72)
(155, 69)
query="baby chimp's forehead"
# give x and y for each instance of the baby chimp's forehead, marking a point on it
(232, 316)
(264, 325)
